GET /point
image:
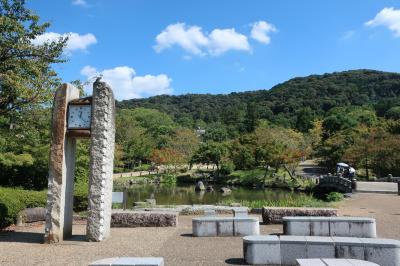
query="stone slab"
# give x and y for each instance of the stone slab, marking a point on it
(244, 227)
(273, 215)
(225, 226)
(129, 261)
(240, 212)
(348, 247)
(262, 249)
(347, 262)
(320, 247)
(334, 262)
(310, 262)
(292, 248)
(127, 218)
(330, 226)
(384, 252)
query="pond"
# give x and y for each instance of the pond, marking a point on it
(186, 194)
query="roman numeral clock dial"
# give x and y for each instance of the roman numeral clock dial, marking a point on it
(79, 116)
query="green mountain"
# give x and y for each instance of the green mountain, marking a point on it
(286, 103)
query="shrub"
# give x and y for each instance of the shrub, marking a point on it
(227, 167)
(13, 200)
(81, 192)
(334, 196)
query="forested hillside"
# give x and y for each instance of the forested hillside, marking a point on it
(290, 104)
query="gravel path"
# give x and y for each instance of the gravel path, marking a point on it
(22, 246)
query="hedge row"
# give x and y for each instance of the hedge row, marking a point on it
(14, 200)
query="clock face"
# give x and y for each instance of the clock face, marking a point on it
(79, 116)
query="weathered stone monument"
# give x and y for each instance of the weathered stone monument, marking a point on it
(73, 118)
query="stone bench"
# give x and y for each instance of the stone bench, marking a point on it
(274, 215)
(225, 226)
(240, 212)
(127, 218)
(285, 250)
(329, 226)
(334, 262)
(129, 261)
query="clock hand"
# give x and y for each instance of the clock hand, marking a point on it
(80, 114)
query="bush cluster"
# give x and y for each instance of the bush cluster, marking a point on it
(13, 200)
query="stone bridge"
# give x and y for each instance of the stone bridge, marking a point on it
(334, 183)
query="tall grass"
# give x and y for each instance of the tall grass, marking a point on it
(290, 201)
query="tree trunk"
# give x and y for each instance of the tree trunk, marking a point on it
(287, 170)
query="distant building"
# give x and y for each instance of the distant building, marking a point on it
(200, 132)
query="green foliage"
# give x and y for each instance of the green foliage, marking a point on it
(334, 196)
(169, 179)
(13, 200)
(303, 200)
(26, 75)
(393, 113)
(227, 167)
(294, 103)
(210, 153)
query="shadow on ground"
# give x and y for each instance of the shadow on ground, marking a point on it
(33, 238)
(21, 237)
(235, 261)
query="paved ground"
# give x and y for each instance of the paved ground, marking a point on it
(310, 169)
(176, 245)
(377, 187)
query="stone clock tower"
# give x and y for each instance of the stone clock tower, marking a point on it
(73, 117)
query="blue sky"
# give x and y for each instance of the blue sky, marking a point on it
(148, 47)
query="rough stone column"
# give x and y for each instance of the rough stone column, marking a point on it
(61, 170)
(101, 162)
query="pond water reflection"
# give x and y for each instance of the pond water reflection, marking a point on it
(186, 194)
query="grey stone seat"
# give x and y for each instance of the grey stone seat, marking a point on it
(265, 249)
(329, 226)
(129, 261)
(334, 262)
(225, 226)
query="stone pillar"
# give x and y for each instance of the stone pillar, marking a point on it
(61, 170)
(101, 162)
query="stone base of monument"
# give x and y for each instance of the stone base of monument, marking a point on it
(127, 218)
(129, 261)
(285, 250)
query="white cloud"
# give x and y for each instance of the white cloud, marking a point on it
(194, 41)
(222, 41)
(388, 17)
(189, 38)
(82, 3)
(127, 85)
(260, 31)
(75, 40)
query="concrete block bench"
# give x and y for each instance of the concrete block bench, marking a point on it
(127, 218)
(334, 262)
(225, 226)
(274, 215)
(129, 261)
(285, 250)
(329, 226)
(240, 211)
